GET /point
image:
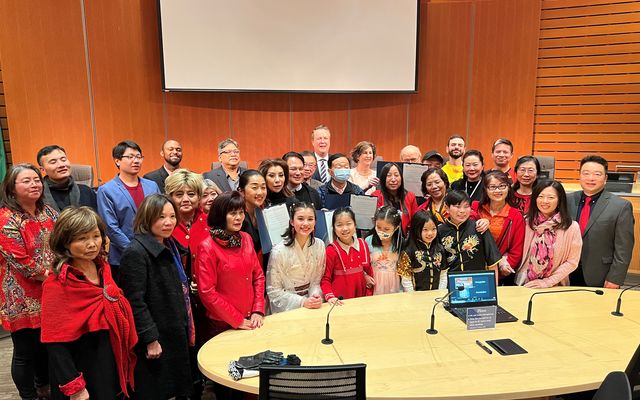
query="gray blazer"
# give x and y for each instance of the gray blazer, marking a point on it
(607, 242)
(219, 177)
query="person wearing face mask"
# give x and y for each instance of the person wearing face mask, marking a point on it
(384, 244)
(393, 193)
(300, 189)
(339, 184)
(473, 171)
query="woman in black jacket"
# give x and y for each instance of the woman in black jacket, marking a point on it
(154, 281)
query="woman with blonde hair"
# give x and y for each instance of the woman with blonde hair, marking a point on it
(87, 323)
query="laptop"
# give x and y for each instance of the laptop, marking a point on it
(474, 289)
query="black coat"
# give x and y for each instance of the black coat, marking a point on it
(150, 281)
(158, 176)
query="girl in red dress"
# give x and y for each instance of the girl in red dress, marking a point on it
(348, 272)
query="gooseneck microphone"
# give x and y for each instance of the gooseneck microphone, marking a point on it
(327, 339)
(528, 321)
(432, 330)
(617, 312)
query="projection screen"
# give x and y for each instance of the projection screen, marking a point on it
(289, 45)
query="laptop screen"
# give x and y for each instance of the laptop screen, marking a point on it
(472, 288)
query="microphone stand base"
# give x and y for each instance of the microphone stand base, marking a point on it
(432, 331)
(327, 341)
(528, 322)
(617, 313)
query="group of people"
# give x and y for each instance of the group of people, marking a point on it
(111, 294)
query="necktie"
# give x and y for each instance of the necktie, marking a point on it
(584, 215)
(323, 171)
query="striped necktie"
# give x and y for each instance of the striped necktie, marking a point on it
(324, 176)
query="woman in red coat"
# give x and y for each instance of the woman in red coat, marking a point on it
(506, 223)
(392, 193)
(25, 223)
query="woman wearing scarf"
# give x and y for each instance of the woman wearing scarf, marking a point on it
(552, 241)
(155, 283)
(230, 278)
(87, 323)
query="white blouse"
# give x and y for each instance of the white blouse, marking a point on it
(294, 273)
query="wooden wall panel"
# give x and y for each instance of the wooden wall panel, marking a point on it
(199, 121)
(439, 109)
(381, 120)
(588, 86)
(311, 110)
(261, 123)
(45, 79)
(125, 69)
(124, 61)
(504, 74)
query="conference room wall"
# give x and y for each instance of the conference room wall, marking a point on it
(476, 77)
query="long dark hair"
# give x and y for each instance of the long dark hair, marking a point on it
(501, 177)
(414, 242)
(290, 235)
(522, 160)
(390, 199)
(565, 218)
(394, 217)
(8, 191)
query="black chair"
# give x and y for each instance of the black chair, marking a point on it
(346, 382)
(633, 372)
(614, 387)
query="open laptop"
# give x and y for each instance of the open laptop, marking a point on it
(474, 289)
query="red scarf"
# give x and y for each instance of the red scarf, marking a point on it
(72, 307)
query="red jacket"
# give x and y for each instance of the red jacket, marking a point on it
(230, 280)
(191, 238)
(410, 204)
(24, 258)
(510, 241)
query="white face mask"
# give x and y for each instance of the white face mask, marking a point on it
(385, 235)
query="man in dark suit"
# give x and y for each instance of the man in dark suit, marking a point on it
(321, 142)
(60, 190)
(228, 174)
(171, 153)
(606, 222)
(300, 189)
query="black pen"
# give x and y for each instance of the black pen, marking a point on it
(483, 347)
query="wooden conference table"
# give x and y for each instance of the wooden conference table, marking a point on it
(574, 343)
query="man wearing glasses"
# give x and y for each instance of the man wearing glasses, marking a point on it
(228, 174)
(119, 199)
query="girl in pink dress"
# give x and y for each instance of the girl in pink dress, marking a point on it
(384, 244)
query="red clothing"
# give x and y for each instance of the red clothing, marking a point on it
(136, 192)
(522, 202)
(409, 208)
(441, 215)
(24, 258)
(191, 237)
(510, 235)
(344, 272)
(73, 306)
(230, 280)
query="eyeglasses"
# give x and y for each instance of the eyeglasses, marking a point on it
(500, 187)
(310, 164)
(231, 152)
(527, 170)
(589, 174)
(136, 157)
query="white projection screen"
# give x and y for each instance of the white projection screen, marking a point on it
(289, 45)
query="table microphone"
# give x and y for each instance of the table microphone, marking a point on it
(528, 321)
(432, 330)
(327, 339)
(617, 312)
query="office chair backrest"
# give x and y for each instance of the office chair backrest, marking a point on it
(633, 369)
(340, 382)
(547, 164)
(82, 174)
(614, 387)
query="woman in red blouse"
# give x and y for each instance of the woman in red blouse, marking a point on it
(506, 223)
(25, 259)
(393, 193)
